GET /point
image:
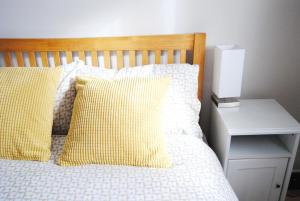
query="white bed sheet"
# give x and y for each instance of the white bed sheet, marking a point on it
(196, 174)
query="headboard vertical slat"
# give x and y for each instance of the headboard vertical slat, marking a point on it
(69, 56)
(120, 62)
(145, 57)
(32, 59)
(132, 61)
(183, 56)
(7, 58)
(20, 59)
(81, 55)
(56, 57)
(157, 56)
(170, 56)
(107, 59)
(44, 56)
(94, 56)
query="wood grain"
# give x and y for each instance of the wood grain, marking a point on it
(198, 58)
(182, 56)
(153, 42)
(120, 63)
(7, 58)
(170, 56)
(20, 59)
(157, 43)
(44, 57)
(69, 56)
(157, 56)
(107, 59)
(81, 55)
(56, 57)
(94, 56)
(145, 57)
(32, 59)
(132, 61)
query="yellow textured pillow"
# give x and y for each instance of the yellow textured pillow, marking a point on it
(26, 112)
(117, 122)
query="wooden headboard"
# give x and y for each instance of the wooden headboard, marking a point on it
(157, 43)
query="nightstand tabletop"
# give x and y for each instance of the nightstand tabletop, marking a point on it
(258, 116)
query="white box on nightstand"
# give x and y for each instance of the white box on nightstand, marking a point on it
(256, 144)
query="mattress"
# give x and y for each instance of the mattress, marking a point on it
(196, 174)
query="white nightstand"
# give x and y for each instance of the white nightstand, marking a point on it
(256, 144)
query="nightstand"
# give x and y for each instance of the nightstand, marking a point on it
(256, 144)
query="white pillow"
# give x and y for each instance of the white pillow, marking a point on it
(66, 92)
(182, 108)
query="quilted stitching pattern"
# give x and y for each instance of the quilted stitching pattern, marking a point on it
(195, 175)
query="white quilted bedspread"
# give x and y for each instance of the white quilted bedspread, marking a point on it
(196, 175)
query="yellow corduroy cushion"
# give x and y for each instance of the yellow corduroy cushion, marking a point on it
(117, 122)
(26, 112)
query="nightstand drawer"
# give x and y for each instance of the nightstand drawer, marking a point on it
(257, 179)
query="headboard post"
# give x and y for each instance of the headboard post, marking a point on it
(198, 58)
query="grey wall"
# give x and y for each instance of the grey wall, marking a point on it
(268, 29)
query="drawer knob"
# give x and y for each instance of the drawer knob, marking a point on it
(278, 186)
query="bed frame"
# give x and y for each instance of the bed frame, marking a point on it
(157, 43)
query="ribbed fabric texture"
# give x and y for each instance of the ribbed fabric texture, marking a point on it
(117, 122)
(26, 112)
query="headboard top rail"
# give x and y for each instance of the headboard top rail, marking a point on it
(155, 42)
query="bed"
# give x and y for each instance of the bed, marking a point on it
(196, 173)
